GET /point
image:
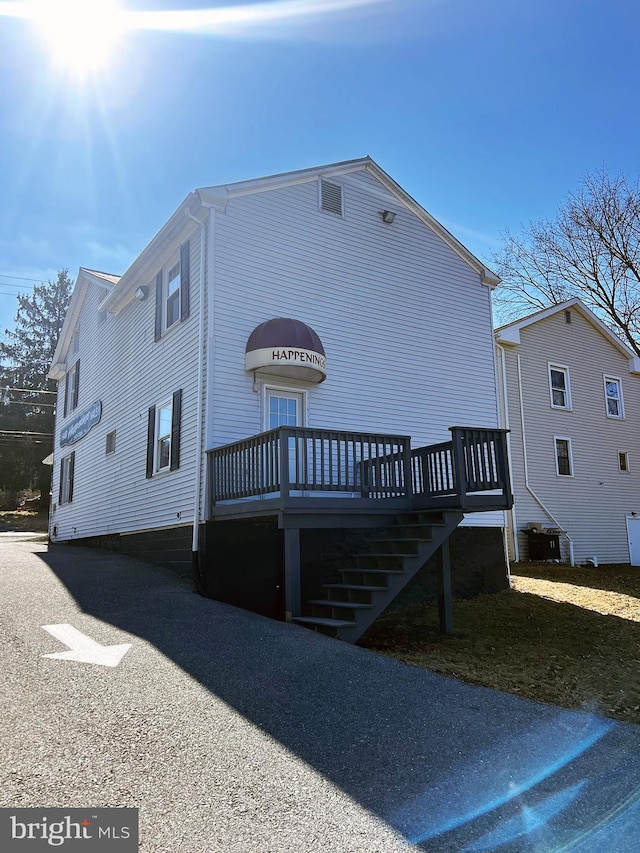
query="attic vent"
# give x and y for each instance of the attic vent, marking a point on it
(330, 197)
(567, 316)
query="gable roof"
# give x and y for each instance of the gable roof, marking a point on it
(121, 288)
(86, 277)
(218, 196)
(509, 334)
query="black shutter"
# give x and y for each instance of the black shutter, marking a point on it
(176, 413)
(72, 466)
(60, 483)
(158, 328)
(76, 384)
(184, 281)
(151, 439)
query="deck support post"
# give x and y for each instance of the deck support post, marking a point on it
(292, 591)
(445, 595)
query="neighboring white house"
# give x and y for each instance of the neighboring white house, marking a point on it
(571, 397)
(385, 325)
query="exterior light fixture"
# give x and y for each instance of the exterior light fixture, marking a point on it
(387, 216)
(141, 293)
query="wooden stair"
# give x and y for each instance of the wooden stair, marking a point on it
(373, 578)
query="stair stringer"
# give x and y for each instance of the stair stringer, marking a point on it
(389, 582)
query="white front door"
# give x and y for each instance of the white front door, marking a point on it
(633, 532)
(286, 409)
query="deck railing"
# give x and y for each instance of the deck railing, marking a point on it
(299, 462)
(460, 472)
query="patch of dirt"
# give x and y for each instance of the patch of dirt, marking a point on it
(568, 636)
(24, 521)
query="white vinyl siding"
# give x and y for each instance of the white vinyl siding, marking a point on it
(387, 302)
(112, 373)
(592, 504)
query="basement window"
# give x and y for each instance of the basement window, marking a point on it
(331, 198)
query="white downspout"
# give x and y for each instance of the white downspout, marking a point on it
(526, 469)
(200, 396)
(507, 426)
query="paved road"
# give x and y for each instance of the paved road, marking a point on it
(237, 734)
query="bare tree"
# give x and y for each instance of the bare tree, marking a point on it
(591, 250)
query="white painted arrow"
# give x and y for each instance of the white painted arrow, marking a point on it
(83, 648)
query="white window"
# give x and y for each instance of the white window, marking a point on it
(564, 456)
(163, 437)
(67, 466)
(559, 387)
(173, 295)
(110, 443)
(613, 397)
(72, 385)
(623, 461)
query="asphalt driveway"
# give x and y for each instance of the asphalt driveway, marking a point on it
(232, 732)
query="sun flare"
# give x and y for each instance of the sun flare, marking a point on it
(81, 35)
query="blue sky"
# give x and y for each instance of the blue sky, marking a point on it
(487, 113)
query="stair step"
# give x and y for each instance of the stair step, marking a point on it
(326, 623)
(420, 518)
(358, 586)
(356, 605)
(421, 532)
(383, 553)
(370, 571)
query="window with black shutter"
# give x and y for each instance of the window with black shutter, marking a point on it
(67, 466)
(163, 435)
(173, 296)
(72, 388)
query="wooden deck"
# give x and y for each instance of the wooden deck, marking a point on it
(308, 478)
(326, 477)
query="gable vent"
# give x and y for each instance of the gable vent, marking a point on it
(331, 197)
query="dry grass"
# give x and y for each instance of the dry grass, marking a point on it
(568, 636)
(25, 520)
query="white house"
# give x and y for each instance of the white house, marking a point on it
(323, 312)
(570, 392)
